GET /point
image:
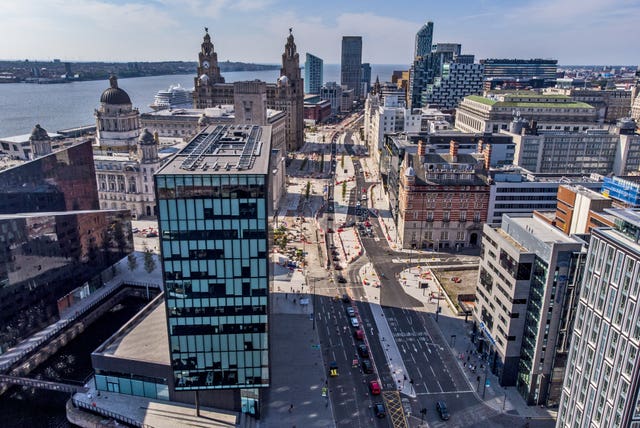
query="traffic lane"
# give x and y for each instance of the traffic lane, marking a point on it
(347, 395)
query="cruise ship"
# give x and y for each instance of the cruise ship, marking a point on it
(174, 97)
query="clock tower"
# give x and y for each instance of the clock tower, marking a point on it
(289, 95)
(208, 74)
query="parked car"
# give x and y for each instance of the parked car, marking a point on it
(358, 334)
(152, 235)
(354, 322)
(374, 387)
(441, 407)
(342, 279)
(363, 350)
(346, 298)
(350, 311)
(379, 411)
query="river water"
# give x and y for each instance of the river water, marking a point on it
(67, 105)
(31, 408)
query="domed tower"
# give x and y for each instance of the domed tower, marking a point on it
(117, 122)
(208, 74)
(290, 95)
(40, 142)
(147, 147)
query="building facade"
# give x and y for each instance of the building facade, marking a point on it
(495, 112)
(214, 199)
(351, 64)
(528, 270)
(424, 40)
(366, 78)
(313, 72)
(332, 92)
(600, 386)
(117, 122)
(54, 238)
(289, 96)
(442, 200)
(456, 81)
(544, 71)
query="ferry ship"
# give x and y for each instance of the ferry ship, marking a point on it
(174, 97)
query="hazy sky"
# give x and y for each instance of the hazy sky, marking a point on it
(572, 31)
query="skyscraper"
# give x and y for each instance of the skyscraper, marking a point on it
(214, 201)
(424, 40)
(366, 78)
(313, 74)
(600, 386)
(289, 96)
(351, 65)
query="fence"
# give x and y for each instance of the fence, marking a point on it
(108, 414)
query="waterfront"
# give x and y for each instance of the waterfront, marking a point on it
(25, 407)
(61, 106)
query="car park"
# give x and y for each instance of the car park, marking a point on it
(441, 407)
(374, 387)
(363, 351)
(354, 322)
(367, 367)
(379, 411)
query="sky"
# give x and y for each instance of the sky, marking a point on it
(603, 32)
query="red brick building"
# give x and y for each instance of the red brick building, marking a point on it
(443, 199)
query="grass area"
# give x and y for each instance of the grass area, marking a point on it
(574, 104)
(481, 99)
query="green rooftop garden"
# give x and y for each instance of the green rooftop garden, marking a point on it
(481, 99)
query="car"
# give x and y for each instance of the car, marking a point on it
(379, 411)
(441, 407)
(354, 322)
(367, 367)
(342, 279)
(350, 311)
(135, 230)
(363, 350)
(333, 369)
(337, 267)
(346, 298)
(374, 387)
(358, 334)
(152, 235)
(329, 230)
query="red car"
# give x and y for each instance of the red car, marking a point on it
(358, 334)
(374, 387)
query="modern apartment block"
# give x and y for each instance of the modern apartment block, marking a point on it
(600, 386)
(214, 203)
(424, 40)
(527, 277)
(351, 64)
(494, 112)
(456, 81)
(313, 72)
(332, 92)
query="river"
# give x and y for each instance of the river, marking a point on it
(67, 105)
(34, 408)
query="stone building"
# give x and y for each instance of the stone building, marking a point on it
(117, 122)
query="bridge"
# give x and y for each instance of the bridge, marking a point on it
(42, 384)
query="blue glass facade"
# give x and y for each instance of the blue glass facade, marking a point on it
(214, 235)
(623, 190)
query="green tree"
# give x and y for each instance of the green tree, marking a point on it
(132, 261)
(307, 190)
(149, 260)
(344, 189)
(342, 161)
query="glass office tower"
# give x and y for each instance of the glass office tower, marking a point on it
(213, 203)
(313, 71)
(351, 64)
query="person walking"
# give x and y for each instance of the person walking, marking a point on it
(291, 408)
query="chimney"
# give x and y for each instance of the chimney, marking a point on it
(422, 150)
(487, 156)
(480, 146)
(453, 150)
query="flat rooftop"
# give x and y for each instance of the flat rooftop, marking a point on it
(144, 338)
(541, 230)
(224, 150)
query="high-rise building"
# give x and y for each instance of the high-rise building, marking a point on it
(366, 78)
(424, 40)
(214, 204)
(456, 81)
(332, 92)
(351, 64)
(600, 386)
(528, 275)
(313, 72)
(533, 72)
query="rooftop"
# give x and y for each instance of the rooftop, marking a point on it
(222, 150)
(539, 229)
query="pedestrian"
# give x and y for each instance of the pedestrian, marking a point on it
(291, 408)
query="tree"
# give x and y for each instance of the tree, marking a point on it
(342, 161)
(149, 261)
(307, 190)
(132, 261)
(344, 189)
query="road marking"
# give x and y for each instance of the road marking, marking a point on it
(470, 391)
